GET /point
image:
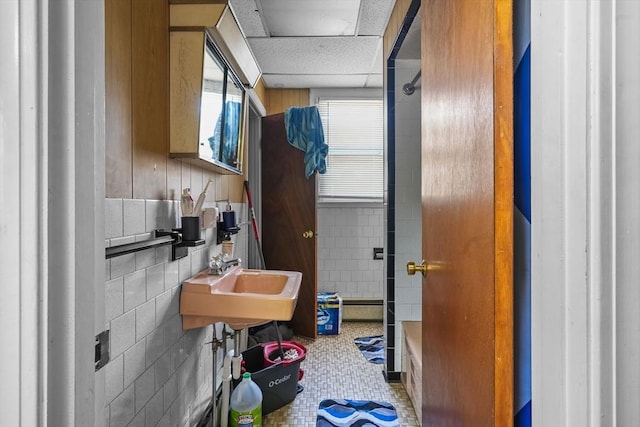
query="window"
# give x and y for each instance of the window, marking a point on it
(353, 129)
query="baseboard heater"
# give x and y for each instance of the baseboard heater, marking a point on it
(360, 309)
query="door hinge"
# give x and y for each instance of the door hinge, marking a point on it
(102, 349)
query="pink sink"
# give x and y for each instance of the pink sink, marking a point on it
(241, 297)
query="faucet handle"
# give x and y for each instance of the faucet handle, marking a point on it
(217, 264)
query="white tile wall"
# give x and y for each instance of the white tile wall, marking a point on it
(408, 210)
(346, 238)
(158, 373)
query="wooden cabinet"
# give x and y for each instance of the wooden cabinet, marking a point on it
(411, 375)
(211, 67)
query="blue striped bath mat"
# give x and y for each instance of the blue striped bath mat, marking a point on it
(372, 348)
(356, 413)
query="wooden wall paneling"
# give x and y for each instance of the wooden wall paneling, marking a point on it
(278, 100)
(118, 149)
(196, 186)
(185, 174)
(211, 191)
(274, 101)
(222, 188)
(303, 97)
(261, 91)
(174, 179)
(150, 98)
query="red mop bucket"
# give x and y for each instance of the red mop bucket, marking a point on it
(294, 352)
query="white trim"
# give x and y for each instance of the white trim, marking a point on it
(22, 116)
(51, 211)
(573, 219)
(612, 331)
(624, 20)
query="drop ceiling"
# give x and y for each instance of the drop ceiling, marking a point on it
(316, 43)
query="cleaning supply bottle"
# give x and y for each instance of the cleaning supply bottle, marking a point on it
(246, 404)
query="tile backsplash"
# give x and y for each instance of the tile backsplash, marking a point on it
(346, 238)
(158, 374)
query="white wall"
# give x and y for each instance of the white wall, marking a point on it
(346, 238)
(585, 82)
(158, 373)
(408, 207)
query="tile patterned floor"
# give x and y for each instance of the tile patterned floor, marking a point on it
(335, 368)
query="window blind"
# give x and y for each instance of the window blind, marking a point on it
(353, 129)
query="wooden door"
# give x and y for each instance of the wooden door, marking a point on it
(288, 211)
(467, 200)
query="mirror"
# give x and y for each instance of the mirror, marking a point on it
(221, 113)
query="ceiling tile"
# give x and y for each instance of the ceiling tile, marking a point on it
(248, 17)
(292, 18)
(315, 59)
(313, 55)
(374, 15)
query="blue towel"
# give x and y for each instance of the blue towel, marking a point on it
(304, 131)
(231, 134)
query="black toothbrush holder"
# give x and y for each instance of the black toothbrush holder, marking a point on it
(190, 228)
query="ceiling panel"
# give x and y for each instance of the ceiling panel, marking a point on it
(326, 55)
(294, 18)
(310, 60)
(374, 16)
(248, 17)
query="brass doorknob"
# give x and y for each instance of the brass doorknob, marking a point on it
(412, 268)
(308, 234)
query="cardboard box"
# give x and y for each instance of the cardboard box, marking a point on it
(329, 313)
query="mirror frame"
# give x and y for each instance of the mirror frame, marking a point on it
(229, 76)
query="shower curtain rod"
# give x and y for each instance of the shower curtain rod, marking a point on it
(415, 79)
(409, 88)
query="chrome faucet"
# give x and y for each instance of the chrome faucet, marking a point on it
(219, 265)
(232, 262)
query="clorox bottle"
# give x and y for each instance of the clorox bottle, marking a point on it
(246, 404)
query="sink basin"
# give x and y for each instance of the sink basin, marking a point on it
(241, 297)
